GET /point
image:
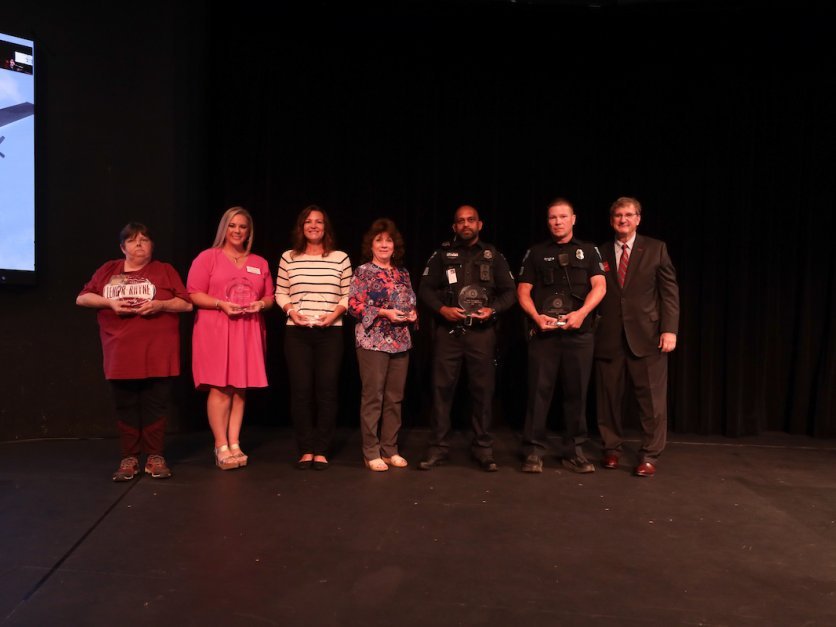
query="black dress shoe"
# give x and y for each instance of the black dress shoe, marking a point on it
(488, 464)
(578, 464)
(532, 463)
(430, 461)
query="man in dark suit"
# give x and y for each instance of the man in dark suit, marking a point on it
(639, 322)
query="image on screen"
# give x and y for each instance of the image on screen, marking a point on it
(17, 160)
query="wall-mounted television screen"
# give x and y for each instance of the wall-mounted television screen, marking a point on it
(17, 160)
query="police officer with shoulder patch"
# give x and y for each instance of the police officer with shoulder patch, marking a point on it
(467, 283)
(560, 285)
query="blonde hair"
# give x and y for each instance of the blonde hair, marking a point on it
(226, 218)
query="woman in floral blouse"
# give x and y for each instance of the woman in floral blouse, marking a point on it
(381, 298)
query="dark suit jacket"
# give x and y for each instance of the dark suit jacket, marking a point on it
(647, 305)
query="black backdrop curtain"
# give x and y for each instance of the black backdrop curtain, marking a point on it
(723, 129)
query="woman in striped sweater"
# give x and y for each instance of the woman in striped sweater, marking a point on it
(312, 289)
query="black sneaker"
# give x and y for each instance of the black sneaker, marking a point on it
(532, 463)
(579, 464)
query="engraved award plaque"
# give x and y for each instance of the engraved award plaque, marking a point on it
(240, 291)
(472, 298)
(556, 305)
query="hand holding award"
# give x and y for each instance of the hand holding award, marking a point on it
(240, 294)
(314, 309)
(473, 299)
(553, 309)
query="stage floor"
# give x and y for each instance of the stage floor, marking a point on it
(730, 532)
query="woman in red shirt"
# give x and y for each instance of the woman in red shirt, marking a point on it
(138, 300)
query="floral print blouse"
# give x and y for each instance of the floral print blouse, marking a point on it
(374, 288)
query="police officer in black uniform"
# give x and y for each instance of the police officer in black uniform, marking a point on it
(560, 285)
(466, 283)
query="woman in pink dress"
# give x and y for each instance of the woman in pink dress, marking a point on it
(229, 287)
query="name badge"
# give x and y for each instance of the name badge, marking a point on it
(253, 270)
(451, 275)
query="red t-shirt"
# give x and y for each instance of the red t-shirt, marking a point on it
(138, 347)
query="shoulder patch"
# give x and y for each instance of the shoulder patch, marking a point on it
(522, 263)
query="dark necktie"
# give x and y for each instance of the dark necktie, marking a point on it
(622, 265)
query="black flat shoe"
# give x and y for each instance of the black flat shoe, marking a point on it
(488, 464)
(431, 461)
(304, 465)
(320, 465)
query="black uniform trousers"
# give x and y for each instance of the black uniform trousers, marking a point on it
(475, 346)
(552, 356)
(648, 377)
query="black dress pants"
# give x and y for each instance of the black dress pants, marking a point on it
(314, 356)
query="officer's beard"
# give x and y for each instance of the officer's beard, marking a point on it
(468, 236)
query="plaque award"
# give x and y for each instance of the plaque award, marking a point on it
(556, 305)
(472, 298)
(240, 292)
(132, 291)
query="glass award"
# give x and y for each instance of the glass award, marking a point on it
(240, 291)
(472, 298)
(404, 301)
(314, 307)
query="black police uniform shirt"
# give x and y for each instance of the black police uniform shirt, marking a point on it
(457, 265)
(563, 269)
